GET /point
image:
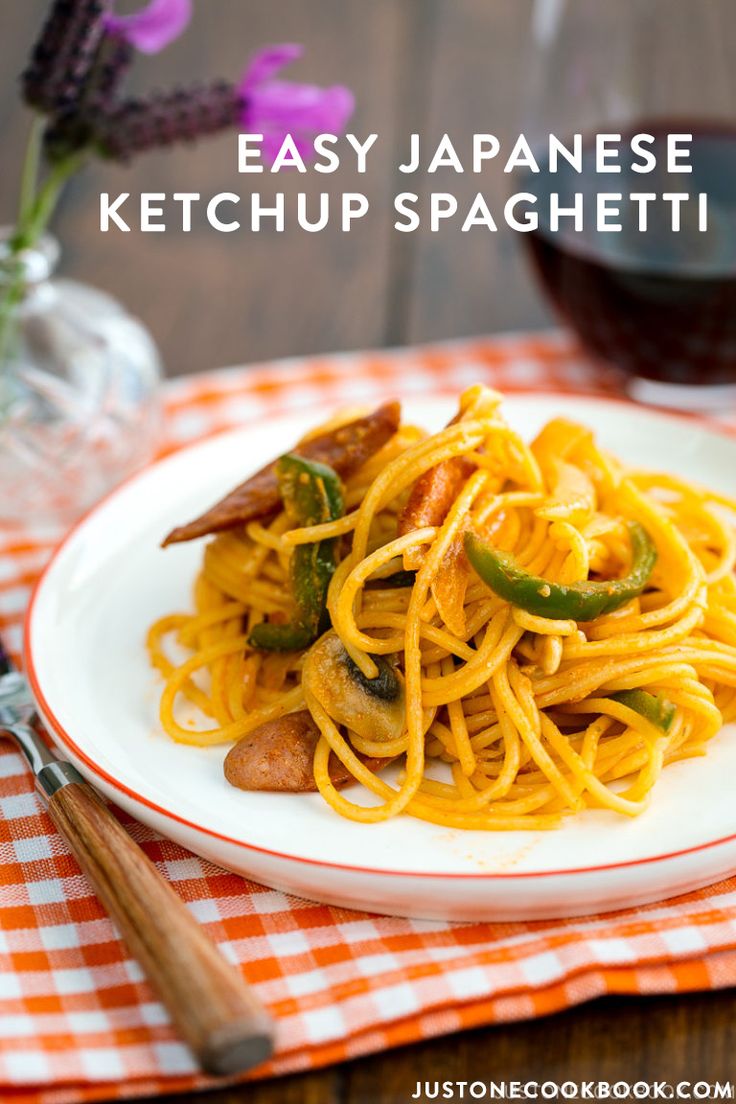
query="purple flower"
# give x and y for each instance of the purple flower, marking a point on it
(152, 28)
(275, 108)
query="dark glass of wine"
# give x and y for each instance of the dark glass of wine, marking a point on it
(660, 303)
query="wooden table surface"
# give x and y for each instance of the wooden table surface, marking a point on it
(211, 299)
(669, 1039)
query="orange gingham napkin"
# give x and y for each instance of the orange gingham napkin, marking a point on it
(77, 1020)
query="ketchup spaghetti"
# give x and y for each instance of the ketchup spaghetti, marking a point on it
(522, 630)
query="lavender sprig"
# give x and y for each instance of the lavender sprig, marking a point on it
(163, 118)
(74, 77)
(73, 129)
(67, 132)
(63, 55)
(85, 49)
(114, 59)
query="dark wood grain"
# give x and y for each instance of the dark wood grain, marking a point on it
(668, 1039)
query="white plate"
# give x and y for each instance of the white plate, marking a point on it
(86, 660)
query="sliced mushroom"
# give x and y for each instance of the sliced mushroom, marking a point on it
(278, 757)
(374, 708)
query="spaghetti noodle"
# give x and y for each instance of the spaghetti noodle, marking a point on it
(507, 718)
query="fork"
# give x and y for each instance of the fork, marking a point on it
(215, 1011)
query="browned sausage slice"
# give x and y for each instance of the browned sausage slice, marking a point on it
(278, 756)
(433, 494)
(345, 449)
(431, 497)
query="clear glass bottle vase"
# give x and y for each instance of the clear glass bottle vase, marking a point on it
(79, 380)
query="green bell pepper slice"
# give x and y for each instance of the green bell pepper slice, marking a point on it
(659, 711)
(312, 495)
(582, 601)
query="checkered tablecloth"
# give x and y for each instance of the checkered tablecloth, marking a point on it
(77, 1020)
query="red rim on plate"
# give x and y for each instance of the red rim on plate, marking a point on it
(67, 741)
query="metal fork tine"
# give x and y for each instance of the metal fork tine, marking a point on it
(234, 1033)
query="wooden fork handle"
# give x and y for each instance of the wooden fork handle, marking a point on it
(213, 1007)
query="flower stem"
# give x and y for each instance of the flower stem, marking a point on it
(29, 175)
(41, 207)
(37, 204)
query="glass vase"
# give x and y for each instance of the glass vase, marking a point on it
(79, 378)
